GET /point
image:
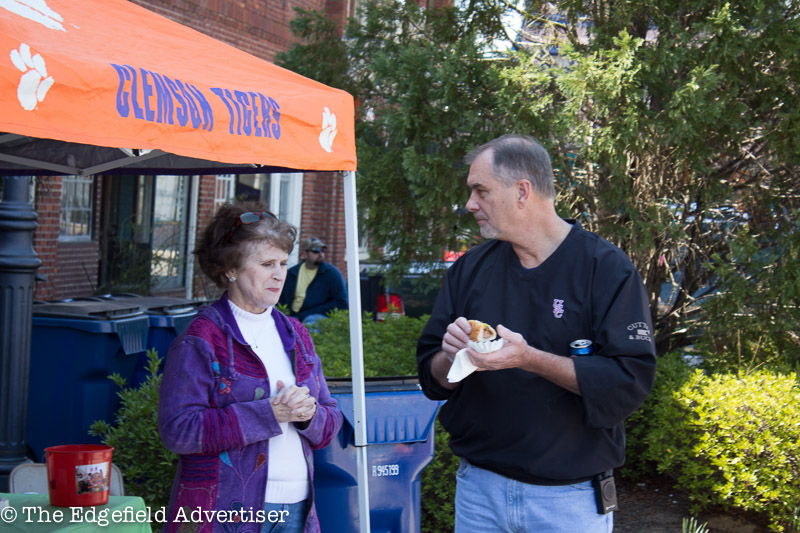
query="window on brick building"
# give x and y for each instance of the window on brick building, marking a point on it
(169, 225)
(76, 208)
(144, 233)
(282, 193)
(225, 189)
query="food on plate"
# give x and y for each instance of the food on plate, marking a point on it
(481, 332)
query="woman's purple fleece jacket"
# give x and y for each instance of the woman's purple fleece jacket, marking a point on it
(214, 411)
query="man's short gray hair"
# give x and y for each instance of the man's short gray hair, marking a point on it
(516, 157)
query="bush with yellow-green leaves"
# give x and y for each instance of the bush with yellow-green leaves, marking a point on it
(734, 441)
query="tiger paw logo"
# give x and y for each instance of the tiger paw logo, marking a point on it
(34, 83)
(35, 10)
(328, 130)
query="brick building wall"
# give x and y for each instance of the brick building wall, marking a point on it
(77, 269)
(323, 214)
(70, 268)
(259, 27)
(203, 287)
(45, 239)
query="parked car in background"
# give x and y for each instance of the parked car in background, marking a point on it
(411, 294)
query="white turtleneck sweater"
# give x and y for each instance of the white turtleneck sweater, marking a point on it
(287, 480)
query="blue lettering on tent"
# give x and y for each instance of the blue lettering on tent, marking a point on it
(265, 114)
(182, 114)
(123, 104)
(225, 101)
(276, 114)
(259, 132)
(194, 115)
(247, 114)
(238, 111)
(137, 111)
(205, 107)
(154, 97)
(147, 89)
(164, 99)
(251, 114)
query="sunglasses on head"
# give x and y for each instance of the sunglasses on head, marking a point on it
(247, 218)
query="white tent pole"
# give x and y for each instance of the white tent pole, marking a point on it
(194, 204)
(356, 346)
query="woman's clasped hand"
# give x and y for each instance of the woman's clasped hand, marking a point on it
(293, 404)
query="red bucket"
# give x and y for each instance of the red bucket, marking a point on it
(78, 474)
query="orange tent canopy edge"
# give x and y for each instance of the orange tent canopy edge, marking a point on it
(110, 73)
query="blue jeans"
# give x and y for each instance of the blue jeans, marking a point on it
(285, 517)
(488, 502)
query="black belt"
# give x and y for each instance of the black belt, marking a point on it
(547, 482)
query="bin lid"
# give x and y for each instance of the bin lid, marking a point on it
(375, 384)
(157, 305)
(87, 309)
(397, 410)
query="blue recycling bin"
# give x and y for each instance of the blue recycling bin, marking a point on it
(400, 421)
(75, 346)
(167, 319)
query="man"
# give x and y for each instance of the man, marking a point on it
(537, 431)
(313, 287)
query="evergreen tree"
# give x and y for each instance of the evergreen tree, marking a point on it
(676, 130)
(673, 129)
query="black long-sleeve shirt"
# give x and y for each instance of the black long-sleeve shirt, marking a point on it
(515, 422)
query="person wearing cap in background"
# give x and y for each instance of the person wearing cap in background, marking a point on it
(313, 287)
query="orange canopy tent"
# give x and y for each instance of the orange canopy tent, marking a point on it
(108, 73)
(105, 86)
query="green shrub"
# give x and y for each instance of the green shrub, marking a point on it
(734, 441)
(389, 347)
(439, 488)
(671, 373)
(147, 466)
(389, 350)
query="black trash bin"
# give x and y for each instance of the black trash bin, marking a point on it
(75, 346)
(400, 421)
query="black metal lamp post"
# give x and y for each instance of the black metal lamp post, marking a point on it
(18, 264)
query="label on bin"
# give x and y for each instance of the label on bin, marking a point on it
(91, 478)
(385, 470)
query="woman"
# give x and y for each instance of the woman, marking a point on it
(243, 400)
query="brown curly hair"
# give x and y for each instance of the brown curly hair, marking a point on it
(217, 257)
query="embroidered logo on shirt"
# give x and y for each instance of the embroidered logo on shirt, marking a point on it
(639, 331)
(558, 308)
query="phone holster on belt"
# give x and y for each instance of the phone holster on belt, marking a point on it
(605, 491)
